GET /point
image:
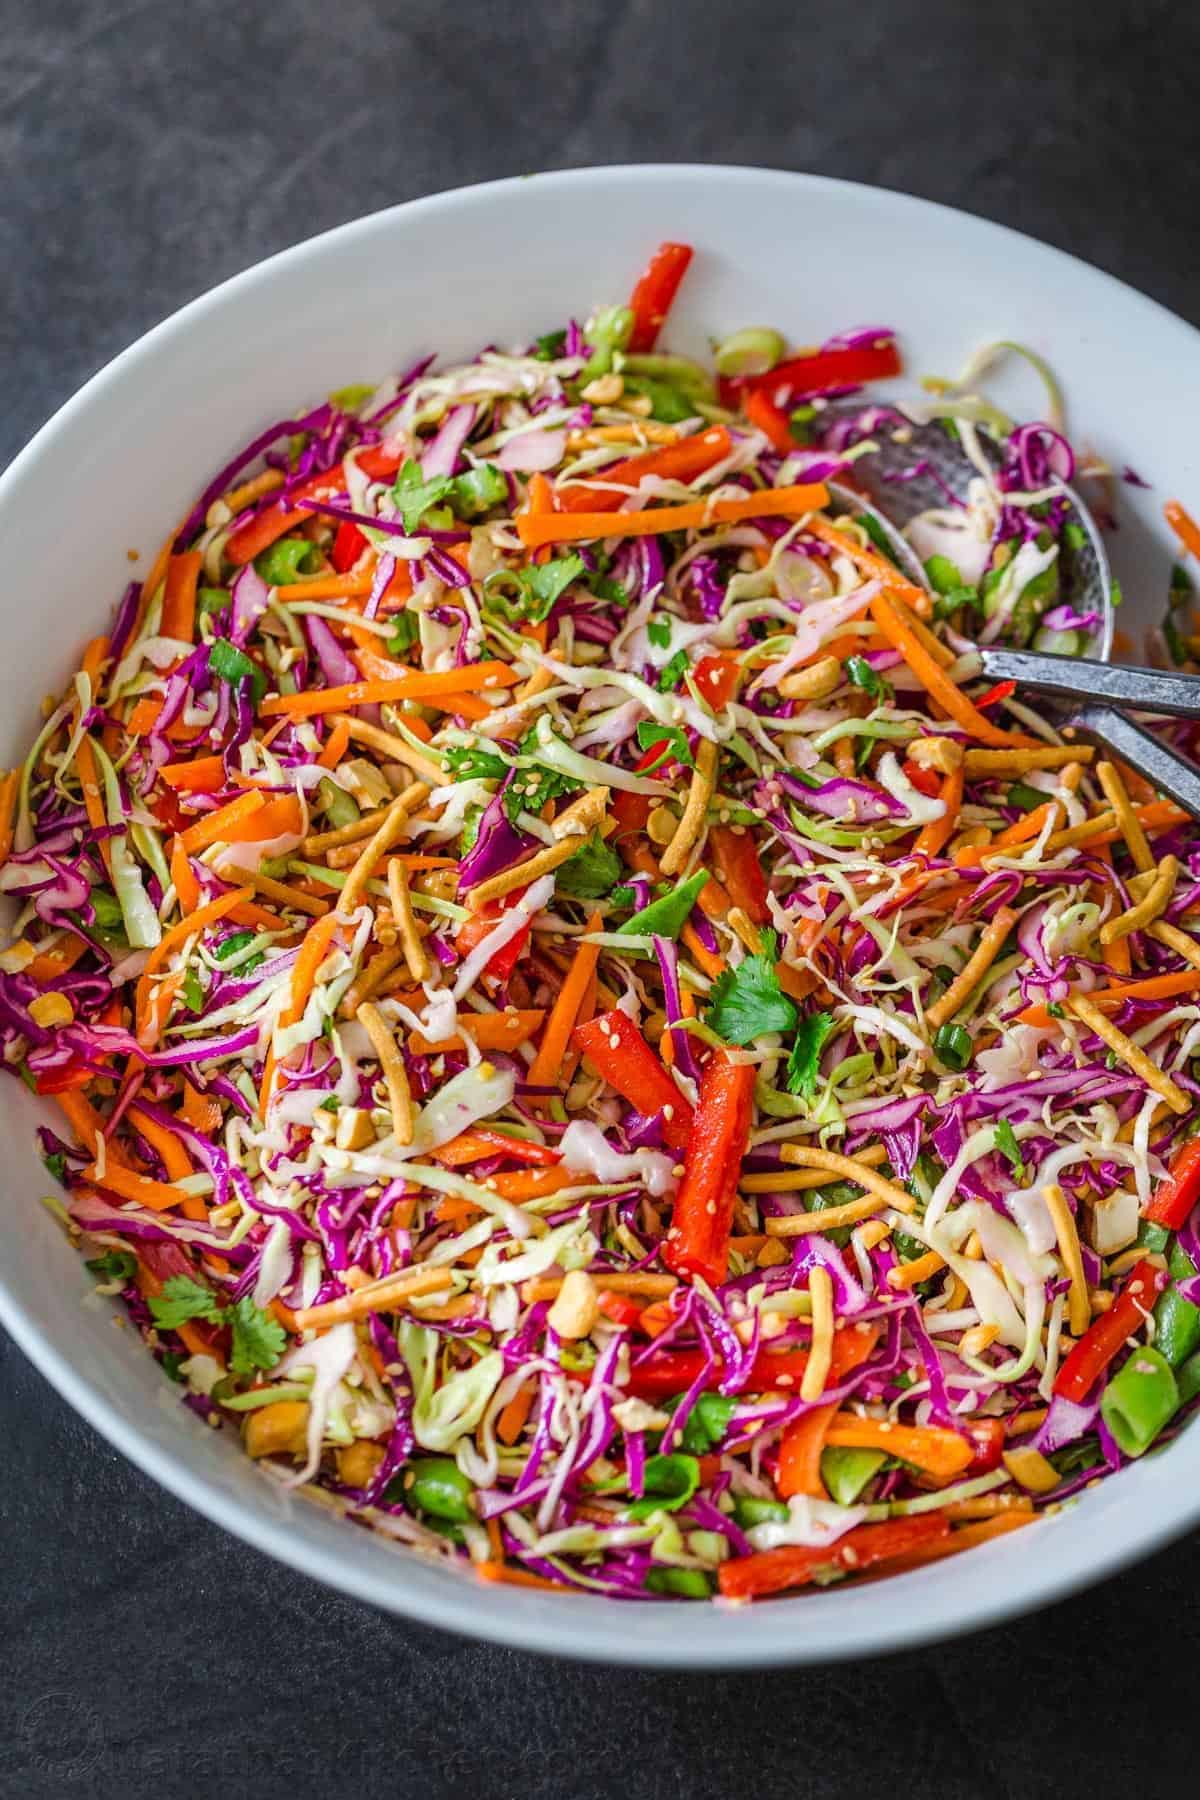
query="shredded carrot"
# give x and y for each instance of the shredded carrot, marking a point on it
(932, 839)
(93, 799)
(198, 1111)
(570, 528)
(964, 1537)
(532, 1184)
(936, 682)
(328, 587)
(513, 1577)
(279, 816)
(58, 961)
(337, 745)
(543, 1071)
(179, 596)
(208, 914)
(490, 1031)
(9, 788)
(940, 1453)
(214, 826)
(157, 1196)
(677, 461)
(176, 1160)
(1111, 999)
(84, 1120)
(871, 564)
(511, 1422)
(417, 686)
(198, 776)
(1183, 525)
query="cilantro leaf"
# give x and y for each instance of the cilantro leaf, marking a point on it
(658, 630)
(805, 1057)
(477, 490)
(550, 346)
(258, 1340)
(414, 495)
(193, 993)
(863, 676)
(468, 762)
(183, 1299)
(531, 790)
(674, 672)
(1010, 1150)
(56, 1165)
(748, 1002)
(593, 871)
(670, 738)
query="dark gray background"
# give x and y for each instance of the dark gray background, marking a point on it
(151, 148)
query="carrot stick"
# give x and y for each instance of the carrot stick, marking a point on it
(179, 596)
(59, 961)
(82, 1117)
(207, 914)
(1183, 525)
(156, 1195)
(871, 564)
(212, 828)
(264, 529)
(1111, 999)
(93, 800)
(490, 1031)
(543, 1071)
(413, 686)
(933, 838)
(200, 775)
(935, 680)
(532, 1184)
(941, 1453)
(570, 528)
(503, 1572)
(8, 811)
(176, 1160)
(278, 817)
(681, 461)
(327, 587)
(337, 745)
(965, 1537)
(511, 1422)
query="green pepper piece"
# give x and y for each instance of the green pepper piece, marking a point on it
(847, 1472)
(437, 1486)
(749, 1512)
(1176, 1320)
(692, 1584)
(667, 916)
(1139, 1400)
(669, 1483)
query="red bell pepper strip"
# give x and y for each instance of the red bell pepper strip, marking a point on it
(473, 931)
(378, 463)
(1003, 690)
(674, 462)
(716, 679)
(620, 1309)
(825, 369)
(673, 1371)
(772, 1571)
(698, 1241)
(1176, 1198)
(348, 545)
(926, 781)
(656, 288)
(740, 872)
(61, 1081)
(617, 1050)
(987, 1435)
(771, 420)
(1106, 1335)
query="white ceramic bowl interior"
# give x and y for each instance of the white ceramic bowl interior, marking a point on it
(500, 263)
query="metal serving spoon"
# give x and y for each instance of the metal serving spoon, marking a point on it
(1091, 691)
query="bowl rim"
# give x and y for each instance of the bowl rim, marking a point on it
(472, 1610)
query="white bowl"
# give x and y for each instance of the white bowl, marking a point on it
(126, 456)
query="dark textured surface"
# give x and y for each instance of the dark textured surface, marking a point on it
(152, 149)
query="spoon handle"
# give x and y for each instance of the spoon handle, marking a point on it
(1078, 678)
(1169, 772)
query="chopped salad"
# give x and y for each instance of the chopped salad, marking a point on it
(575, 1026)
